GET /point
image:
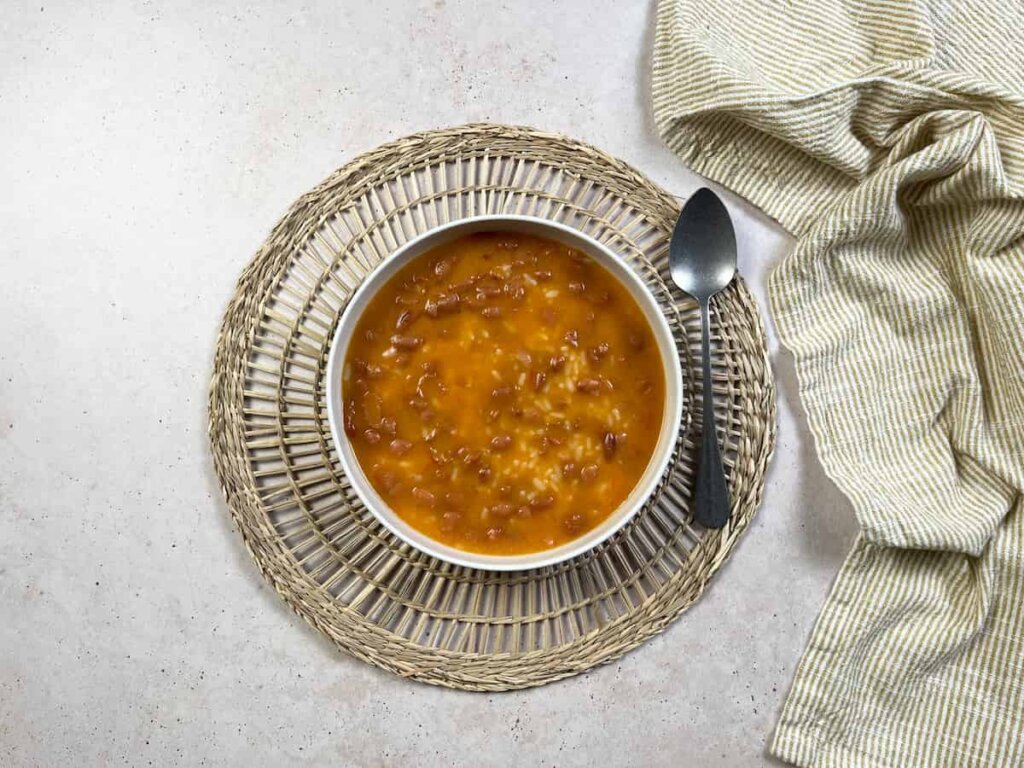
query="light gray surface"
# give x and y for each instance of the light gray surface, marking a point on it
(146, 153)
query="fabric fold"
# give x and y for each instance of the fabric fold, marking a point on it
(889, 137)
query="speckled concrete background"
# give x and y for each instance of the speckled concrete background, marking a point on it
(145, 154)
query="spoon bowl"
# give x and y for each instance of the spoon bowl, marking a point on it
(702, 257)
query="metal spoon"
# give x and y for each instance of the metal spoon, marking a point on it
(702, 259)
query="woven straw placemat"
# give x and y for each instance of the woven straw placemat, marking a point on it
(325, 554)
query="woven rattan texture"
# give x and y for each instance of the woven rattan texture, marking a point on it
(326, 555)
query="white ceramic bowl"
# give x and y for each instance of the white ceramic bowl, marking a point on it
(606, 258)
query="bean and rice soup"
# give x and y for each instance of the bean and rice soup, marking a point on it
(503, 393)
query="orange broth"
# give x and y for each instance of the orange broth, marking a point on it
(503, 393)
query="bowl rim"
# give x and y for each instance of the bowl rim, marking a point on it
(672, 415)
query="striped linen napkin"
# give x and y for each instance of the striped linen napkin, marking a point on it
(888, 136)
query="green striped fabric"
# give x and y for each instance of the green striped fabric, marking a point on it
(888, 136)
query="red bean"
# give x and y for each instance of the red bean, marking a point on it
(406, 342)
(542, 275)
(484, 473)
(350, 418)
(539, 378)
(442, 267)
(445, 304)
(372, 436)
(440, 458)
(515, 291)
(610, 442)
(489, 291)
(569, 469)
(400, 447)
(574, 523)
(423, 495)
(501, 442)
(503, 509)
(524, 511)
(557, 363)
(542, 502)
(500, 393)
(373, 409)
(494, 532)
(572, 338)
(427, 383)
(389, 426)
(588, 386)
(558, 425)
(588, 472)
(577, 286)
(596, 354)
(388, 481)
(449, 520)
(405, 319)
(553, 440)
(491, 313)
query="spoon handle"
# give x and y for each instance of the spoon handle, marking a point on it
(711, 496)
